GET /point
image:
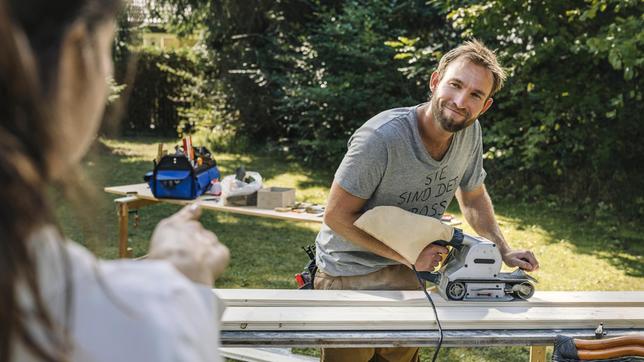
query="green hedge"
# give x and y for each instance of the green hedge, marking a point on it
(569, 122)
(567, 127)
(163, 86)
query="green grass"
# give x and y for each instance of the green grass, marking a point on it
(574, 255)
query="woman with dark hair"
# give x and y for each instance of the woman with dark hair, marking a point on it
(58, 302)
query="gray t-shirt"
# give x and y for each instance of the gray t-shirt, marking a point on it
(387, 164)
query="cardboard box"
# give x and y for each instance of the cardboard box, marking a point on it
(246, 200)
(272, 197)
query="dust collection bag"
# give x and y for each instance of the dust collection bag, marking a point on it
(175, 177)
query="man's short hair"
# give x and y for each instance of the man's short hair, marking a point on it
(477, 53)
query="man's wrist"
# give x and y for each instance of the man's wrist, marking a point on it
(503, 247)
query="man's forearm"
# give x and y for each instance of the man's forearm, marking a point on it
(477, 208)
(343, 225)
(479, 213)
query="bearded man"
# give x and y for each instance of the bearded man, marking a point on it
(416, 158)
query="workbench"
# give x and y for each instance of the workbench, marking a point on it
(351, 318)
(139, 195)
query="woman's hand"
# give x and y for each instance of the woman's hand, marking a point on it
(193, 250)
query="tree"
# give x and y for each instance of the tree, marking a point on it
(568, 121)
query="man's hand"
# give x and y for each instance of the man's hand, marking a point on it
(523, 259)
(193, 250)
(430, 257)
(479, 213)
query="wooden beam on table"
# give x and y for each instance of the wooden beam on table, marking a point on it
(292, 310)
(411, 298)
(418, 318)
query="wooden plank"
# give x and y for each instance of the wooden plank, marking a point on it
(143, 191)
(360, 298)
(134, 202)
(258, 309)
(264, 355)
(416, 318)
(537, 353)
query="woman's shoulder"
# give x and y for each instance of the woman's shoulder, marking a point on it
(122, 302)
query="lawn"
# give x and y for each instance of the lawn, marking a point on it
(574, 254)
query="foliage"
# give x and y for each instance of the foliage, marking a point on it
(305, 74)
(341, 74)
(166, 82)
(568, 121)
(115, 90)
(125, 38)
(166, 90)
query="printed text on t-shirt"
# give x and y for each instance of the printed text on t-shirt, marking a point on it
(437, 187)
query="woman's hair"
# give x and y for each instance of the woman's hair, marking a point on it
(31, 34)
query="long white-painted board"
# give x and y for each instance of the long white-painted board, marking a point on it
(283, 310)
(328, 298)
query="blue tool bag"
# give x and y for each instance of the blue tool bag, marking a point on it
(175, 177)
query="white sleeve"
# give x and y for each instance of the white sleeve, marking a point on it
(143, 311)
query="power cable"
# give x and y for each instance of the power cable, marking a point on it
(440, 328)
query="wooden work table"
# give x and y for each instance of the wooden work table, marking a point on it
(139, 195)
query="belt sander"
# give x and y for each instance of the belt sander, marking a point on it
(472, 269)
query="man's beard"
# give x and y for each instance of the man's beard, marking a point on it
(449, 124)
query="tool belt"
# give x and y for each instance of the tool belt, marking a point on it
(617, 349)
(305, 278)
